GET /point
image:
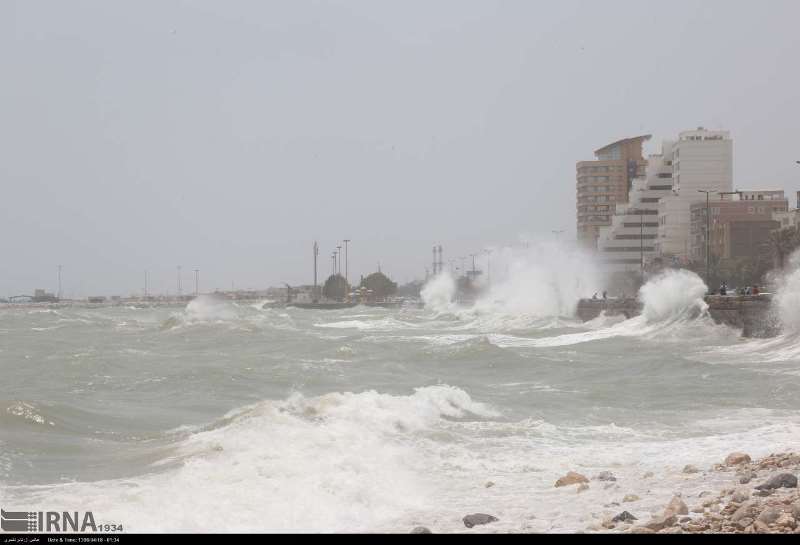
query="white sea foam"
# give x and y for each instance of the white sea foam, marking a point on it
(350, 462)
(673, 307)
(209, 308)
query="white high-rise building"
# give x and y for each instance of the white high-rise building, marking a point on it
(702, 160)
(630, 239)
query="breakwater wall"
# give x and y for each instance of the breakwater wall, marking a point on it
(753, 314)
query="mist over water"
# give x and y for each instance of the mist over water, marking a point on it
(232, 417)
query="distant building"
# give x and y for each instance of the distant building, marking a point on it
(295, 294)
(739, 224)
(701, 160)
(604, 182)
(41, 296)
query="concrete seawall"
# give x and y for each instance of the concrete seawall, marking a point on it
(753, 314)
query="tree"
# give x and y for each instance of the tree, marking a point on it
(782, 243)
(336, 287)
(380, 285)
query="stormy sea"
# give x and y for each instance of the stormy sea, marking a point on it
(224, 417)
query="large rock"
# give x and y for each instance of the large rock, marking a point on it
(420, 530)
(786, 520)
(769, 515)
(660, 522)
(571, 478)
(630, 498)
(745, 511)
(760, 527)
(624, 517)
(477, 519)
(782, 480)
(740, 496)
(677, 507)
(689, 468)
(737, 458)
(605, 476)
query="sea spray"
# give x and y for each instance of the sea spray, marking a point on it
(202, 309)
(207, 308)
(788, 296)
(545, 278)
(673, 294)
(438, 293)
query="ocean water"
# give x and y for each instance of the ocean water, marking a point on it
(227, 417)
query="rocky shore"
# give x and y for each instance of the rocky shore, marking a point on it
(737, 495)
(763, 498)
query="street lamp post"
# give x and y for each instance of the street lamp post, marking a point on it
(316, 254)
(708, 232)
(346, 242)
(488, 267)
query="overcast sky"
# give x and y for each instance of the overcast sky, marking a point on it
(228, 136)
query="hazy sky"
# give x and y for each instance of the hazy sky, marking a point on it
(227, 136)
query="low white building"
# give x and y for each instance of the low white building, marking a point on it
(701, 160)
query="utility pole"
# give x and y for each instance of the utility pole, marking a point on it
(708, 232)
(346, 276)
(145, 284)
(59, 282)
(316, 253)
(196, 282)
(488, 267)
(179, 281)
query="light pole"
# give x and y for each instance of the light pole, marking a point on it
(179, 281)
(708, 231)
(59, 282)
(346, 242)
(488, 267)
(338, 259)
(316, 254)
(196, 282)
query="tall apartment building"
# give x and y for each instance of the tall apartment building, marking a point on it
(701, 160)
(604, 182)
(630, 239)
